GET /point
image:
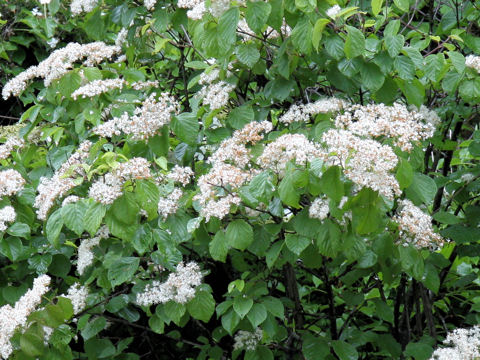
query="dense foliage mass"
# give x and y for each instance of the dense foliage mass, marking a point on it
(288, 179)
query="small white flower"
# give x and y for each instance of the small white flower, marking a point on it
(36, 12)
(52, 43)
(334, 11)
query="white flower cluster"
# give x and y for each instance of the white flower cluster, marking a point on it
(85, 254)
(247, 340)
(366, 162)
(197, 8)
(179, 287)
(334, 11)
(62, 181)
(121, 37)
(169, 204)
(59, 63)
(319, 208)
(473, 61)
(247, 34)
(78, 296)
(228, 172)
(180, 174)
(416, 226)
(97, 87)
(146, 121)
(397, 122)
(7, 214)
(464, 345)
(215, 94)
(13, 318)
(303, 112)
(11, 143)
(149, 4)
(80, 6)
(70, 200)
(11, 182)
(109, 187)
(288, 147)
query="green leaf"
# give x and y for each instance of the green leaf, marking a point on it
(174, 311)
(240, 116)
(261, 187)
(376, 7)
(274, 306)
(257, 14)
(306, 5)
(302, 35)
(329, 239)
(458, 60)
(31, 341)
(94, 327)
(11, 247)
(219, 247)
(422, 189)
(73, 215)
(186, 127)
(331, 183)
(414, 91)
(367, 211)
(257, 314)
(54, 226)
(94, 26)
(461, 234)
(394, 44)
(383, 310)
(344, 350)
(446, 218)
(202, 306)
(242, 305)
(314, 347)
(371, 75)
(239, 234)
(123, 270)
(296, 243)
(227, 26)
(403, 5)
(93, 217)
(230, 321)
(247, 54)
(69, 83)
(19, 229)
(99, 348)
(355, 42)
(318, 32)
(405, 67)
(404, 174)
(419, 351)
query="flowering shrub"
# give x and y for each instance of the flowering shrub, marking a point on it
(227, 179)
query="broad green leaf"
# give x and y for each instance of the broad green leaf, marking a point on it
(32, 342)
(54, 226)
(202, 306)
(287, 191)
(331, 183)
(306, 6)
(186, 127)
(394, 44)
(73, 215)
(344, 350)
(257, 314)
(242, 305)
(274, 306)
(123, 270)
(227, 26)
(19, 229)
(93, 217)
(405, 67)
(414, 91)
(11, 247)
(257, 14)
(302, 35)
(446, 218)
(355, 42)
(458, 60)
(99, 348)
(376, 7)
(247, 54)
(403, 5)
(461, 234)
(419, 350)
(295, 243)
(240, 116)
(314, 347)
(329, 239)
(219, 247)
(174, 311)
(239, 234)
(422, 189)
(94, 327)
(230, 321)
(318, 32)
(371, 75)
(404, 174)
